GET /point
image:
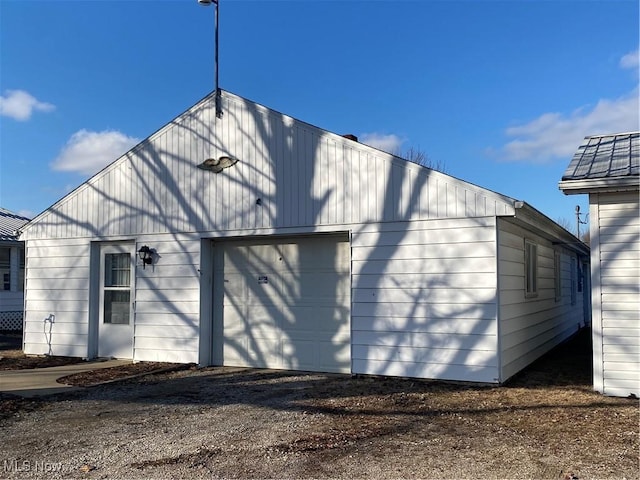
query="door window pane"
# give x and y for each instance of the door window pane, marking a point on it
(117, 282)
(116, 306)
(117, 270)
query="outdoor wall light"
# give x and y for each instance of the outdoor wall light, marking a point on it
(146, 255)
(216, 165)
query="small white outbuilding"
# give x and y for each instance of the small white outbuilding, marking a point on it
(607, 167)
(271, 243)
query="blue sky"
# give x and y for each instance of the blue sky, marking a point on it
(500, 92)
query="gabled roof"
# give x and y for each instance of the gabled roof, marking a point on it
(604, 162)
(9, 223)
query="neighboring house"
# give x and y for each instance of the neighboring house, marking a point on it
(311, 252)
(11, 271)
(607, 168)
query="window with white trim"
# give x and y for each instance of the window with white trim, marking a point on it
(557, 275)
(574, 281)
(117, 288)
(580, 274)
(12, 268)
(530, 269)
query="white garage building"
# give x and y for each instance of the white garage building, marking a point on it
(309, 251)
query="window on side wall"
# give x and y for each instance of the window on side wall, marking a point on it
(557, 275)
(580, 274)
(574, 280)
(530, 269)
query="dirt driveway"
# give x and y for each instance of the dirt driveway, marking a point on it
(240, 423)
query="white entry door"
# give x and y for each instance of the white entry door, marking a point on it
(115, 331)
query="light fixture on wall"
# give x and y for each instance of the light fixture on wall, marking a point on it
(146, 255)
(216, 165)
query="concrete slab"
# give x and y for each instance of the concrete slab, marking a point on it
(42, 381)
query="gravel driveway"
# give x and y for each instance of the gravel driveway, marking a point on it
(243, 423)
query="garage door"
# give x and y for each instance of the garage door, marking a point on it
(286, 303)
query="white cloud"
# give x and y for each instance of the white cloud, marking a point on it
(20, 105)
(556, 135)
(630, 60)
(87, 152)
(26, 213)
(389, 143)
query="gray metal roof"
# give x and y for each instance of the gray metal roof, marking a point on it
(606, 157)
(9, 223)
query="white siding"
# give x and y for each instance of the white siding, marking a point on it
(57, 288)
(424, 299)
(304, 176)
(166, 322)
(615, 263)
(167, 313)
(531, 326)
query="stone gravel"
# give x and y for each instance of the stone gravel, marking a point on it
(244, 423)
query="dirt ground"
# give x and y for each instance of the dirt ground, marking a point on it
(245, 423)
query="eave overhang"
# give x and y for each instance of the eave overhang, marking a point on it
(601, 185)
(534, 220)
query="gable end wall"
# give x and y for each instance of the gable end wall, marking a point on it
(302, 175)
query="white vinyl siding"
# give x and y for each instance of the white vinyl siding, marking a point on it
(424, 299)
(615, 243)
(531, 326)
(167, 300)
(57, 278)
(166, 323)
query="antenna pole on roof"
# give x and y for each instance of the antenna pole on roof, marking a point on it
(217, 93)
(579, 221)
